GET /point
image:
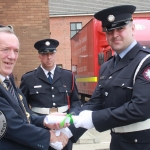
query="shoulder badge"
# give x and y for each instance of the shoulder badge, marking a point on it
(3, 124)
(146, 73)
(30, 71)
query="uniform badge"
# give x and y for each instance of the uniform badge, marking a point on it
(20, 96)
(64, 85)
(47, 43)
(146, 73)
(3, 125)
(111, 18)
(102, 77)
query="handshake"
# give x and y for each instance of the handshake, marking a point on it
(60, 122)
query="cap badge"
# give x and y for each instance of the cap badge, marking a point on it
(47, 43)
(111, 18)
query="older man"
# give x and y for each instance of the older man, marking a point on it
(20, 129)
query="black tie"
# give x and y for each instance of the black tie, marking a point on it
(10, 87)
(49, 77)
(117, 59)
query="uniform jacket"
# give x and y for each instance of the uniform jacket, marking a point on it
(20, 135)
(120, 102)
(50, 95)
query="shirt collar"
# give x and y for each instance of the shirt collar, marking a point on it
(122, 54)
(2, 78)
(46, 72)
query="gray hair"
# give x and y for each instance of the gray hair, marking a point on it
(7, 29)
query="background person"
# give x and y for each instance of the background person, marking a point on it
(20, 129)
(50, 88)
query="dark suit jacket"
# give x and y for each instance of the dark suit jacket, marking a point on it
(120, 102)
(20, 135)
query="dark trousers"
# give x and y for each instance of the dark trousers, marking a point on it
(130, 141)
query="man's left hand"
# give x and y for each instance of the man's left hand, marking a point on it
(85, 120)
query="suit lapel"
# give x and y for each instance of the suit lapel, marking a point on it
(125, 60)
(41, 75)
(12, 101)
(18, 98)
(57, 74)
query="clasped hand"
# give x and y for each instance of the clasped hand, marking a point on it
(58, 138)
(58, 142)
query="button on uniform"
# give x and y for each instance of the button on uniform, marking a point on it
(135, 140)
(110, 77)
(106, 93)
(52, 87)
(37, 92)
(54, 104)
(53, 95)
(123, 84)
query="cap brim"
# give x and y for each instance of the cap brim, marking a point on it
(116, 25)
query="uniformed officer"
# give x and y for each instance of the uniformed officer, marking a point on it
(50, 88)
(20, 129)
(118, 103)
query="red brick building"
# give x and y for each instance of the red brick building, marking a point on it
(60, 30)
(30, 20)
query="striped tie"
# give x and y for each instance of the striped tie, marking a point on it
(10, 87)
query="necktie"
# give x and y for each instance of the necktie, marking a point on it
(117, 59)
(10, 87)
(49, 77)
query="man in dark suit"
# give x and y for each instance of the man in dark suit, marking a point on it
(50, 88)
(20, 128)
(118, 103)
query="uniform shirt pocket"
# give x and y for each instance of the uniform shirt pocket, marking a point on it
(123, 88)
(64, 92)
(37, 91)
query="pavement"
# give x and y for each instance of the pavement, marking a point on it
(93, 140)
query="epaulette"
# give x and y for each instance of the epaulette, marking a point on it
(67, 70)
(110, 58)
(30, 71)
(144, 48)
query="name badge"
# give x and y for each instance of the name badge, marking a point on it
(37, 86)
(102, 77)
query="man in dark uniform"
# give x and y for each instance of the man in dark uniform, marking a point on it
(118, 103)
(20, 129)
(50, 88)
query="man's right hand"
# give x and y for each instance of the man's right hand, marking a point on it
(58, 142)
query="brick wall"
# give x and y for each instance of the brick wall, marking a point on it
(30, 19)
(60, 30)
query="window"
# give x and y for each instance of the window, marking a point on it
(74, 28)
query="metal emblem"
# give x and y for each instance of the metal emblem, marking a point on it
(47, 43)
(146, 73)
(20, 96)
(111, 18)
(3, 125)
